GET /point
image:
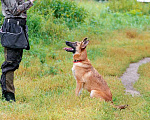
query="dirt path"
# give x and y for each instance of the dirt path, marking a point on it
(131, 76)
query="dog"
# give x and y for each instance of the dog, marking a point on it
(86, 75)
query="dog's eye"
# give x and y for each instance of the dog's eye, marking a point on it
(75, 44)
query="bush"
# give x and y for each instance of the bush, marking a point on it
(68, 10)
(71, 13)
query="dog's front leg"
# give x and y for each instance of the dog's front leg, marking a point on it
(79, 87)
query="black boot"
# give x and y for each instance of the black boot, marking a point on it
(8, 96)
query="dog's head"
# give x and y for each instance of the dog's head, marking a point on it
(76, 47)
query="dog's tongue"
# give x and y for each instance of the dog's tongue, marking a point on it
(64, 48)
(67, 48)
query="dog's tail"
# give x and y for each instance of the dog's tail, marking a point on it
(107, 96)
(119, 106)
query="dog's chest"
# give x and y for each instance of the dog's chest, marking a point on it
(73, 71)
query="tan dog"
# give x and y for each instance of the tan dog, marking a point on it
(86, 76)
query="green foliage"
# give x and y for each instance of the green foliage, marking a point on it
(35, 23)
(129, 6)
(135, 12)
(68, 10)
(50, 20)
(71, 13)
(52, 70)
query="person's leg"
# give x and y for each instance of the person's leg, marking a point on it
(12, 60)
(10, 81)
(10, 89)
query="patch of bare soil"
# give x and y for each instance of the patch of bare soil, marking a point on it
(131, 76)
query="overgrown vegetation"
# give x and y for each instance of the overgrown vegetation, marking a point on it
(44, 82)
(131, 7)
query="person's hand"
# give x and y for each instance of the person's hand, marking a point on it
(32, 1)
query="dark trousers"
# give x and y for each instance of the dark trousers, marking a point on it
(13, 58)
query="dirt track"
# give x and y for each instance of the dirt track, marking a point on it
(131, 76)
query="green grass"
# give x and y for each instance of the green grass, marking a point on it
(45, 86)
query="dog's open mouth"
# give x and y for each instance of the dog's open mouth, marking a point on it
(71, 45)
(69, 49)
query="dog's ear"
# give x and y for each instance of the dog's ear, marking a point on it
(84, 39)
(84, 43)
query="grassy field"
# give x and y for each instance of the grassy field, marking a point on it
(45, 86)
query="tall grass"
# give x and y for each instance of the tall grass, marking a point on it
(129, 6)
